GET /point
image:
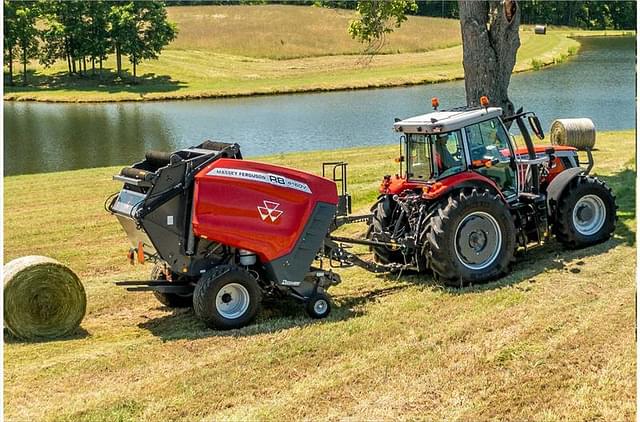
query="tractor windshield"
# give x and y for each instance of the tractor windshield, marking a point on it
(445, 148)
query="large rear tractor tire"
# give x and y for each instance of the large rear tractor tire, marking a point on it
(586, 213)
(471, 239)
(382, 223)
(227, 297)
(170, 300)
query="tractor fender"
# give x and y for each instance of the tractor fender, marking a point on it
(558, 185)
(471, 184)
(385, 200)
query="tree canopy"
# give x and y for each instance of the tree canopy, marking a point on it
(81, 31)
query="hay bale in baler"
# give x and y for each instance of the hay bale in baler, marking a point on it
(578, 133)
(43, 298)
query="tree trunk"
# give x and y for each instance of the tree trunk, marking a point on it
(66, 50)
(93, 66)
(118, 60)
(73, 63)
(100, 68)
(490, 41)
(134, 65)
(24, 66)
(11, 66)
(84, 65)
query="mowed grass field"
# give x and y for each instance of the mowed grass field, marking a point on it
(554, 340)
(247, 50)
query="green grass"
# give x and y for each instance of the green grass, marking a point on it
(247, 50)
(554, 340)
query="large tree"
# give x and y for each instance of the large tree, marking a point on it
(65, 34)
(139, 29)
(10, 36)
(151, 32)
(26, 33)
(490, 41)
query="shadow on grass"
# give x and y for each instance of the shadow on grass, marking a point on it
(103, 82)
(77, 334)
(285, 314)
(276, 315)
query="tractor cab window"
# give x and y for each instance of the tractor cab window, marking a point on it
(419, 161)
(490, 152)
(446, 150)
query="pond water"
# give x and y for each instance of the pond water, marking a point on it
(599, 83)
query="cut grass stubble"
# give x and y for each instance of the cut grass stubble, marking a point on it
(553, 340)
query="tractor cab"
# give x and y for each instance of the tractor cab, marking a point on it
(461, 142)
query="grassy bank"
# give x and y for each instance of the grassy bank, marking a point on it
(552, 341)
(247, 50)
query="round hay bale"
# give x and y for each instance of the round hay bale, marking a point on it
(578, 133)
(540, 29)
(43, 298)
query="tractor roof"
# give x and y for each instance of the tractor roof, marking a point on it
(445, 121)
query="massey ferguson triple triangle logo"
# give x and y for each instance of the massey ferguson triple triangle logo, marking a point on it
(269, 210)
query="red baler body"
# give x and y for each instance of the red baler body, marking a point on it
(256, 206)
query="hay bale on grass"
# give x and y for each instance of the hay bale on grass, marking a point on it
(578, 133)
(43, 298)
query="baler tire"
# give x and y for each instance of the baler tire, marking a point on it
(319, 306)
(380, 221)
(205, 297)
(442, 246)
(591, 192)
(170, 300)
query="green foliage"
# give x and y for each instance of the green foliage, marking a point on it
(582, 14)
(26, 33)
(377, 18)
(537, 64)
(148, 33)
(10, 36)
(76, 30)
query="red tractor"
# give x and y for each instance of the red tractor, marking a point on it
(467, 196)
(225, 232)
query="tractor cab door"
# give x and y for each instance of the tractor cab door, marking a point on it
(491, 155)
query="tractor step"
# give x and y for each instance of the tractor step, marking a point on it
(529, 197)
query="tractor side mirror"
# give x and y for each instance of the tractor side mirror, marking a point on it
(536, 126)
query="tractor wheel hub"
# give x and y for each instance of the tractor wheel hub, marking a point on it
(478, 240)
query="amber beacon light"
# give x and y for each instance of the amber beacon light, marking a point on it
(484, 101)
(435, 103)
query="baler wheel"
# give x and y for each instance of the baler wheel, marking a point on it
(586, 213)
(471, 238)
(227, 297)
(170, 300)
(319, 306)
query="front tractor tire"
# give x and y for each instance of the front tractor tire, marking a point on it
(586, 213)
(170, 300)
(226, 297)
(471, 239)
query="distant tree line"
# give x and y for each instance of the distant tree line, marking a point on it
(582, 14)
(81, 32)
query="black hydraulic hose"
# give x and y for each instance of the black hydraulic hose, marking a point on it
(535, 175)
(110, 200)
